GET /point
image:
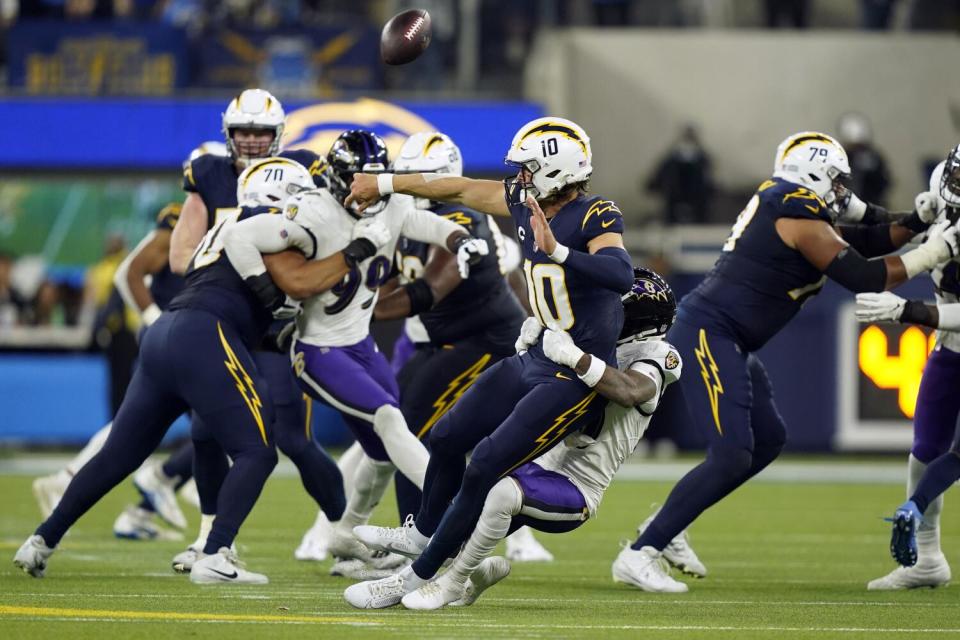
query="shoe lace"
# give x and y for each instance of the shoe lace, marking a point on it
(430, 589)
(387, 586)
(232, 557)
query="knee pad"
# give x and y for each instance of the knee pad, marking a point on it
(442, 440)
(733, 462)
(290, 440)
(388, 419)
(505, 498)
(266, 456)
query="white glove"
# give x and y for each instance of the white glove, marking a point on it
(940, 246)
(529, 334)
(470, 252)
(371, 229)
(853, 210)
(664, 354)
(288, 310)
(926, 205)
(879, 307)
(559, 347)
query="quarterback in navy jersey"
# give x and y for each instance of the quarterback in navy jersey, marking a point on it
(253, 124)
(576, 270)
(801, 227)
(197, 356)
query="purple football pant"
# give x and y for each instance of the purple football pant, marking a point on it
(551, 503)
(403, 350)
(938, 404)
(356, 380)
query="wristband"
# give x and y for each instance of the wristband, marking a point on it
(917, 261)
(385, 183)
(559, 254)
(916, 312)
(914, 223)
(358, 250)
(594, 372)
(949, 316)
(149, 315)
(421, 296)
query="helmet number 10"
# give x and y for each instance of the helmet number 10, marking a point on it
(549, 147)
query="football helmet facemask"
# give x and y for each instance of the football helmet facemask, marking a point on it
(950, 178)
(649, 308)
(355, 151)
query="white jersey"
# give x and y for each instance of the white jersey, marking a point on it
(590, 463)
(341, 316)
(946, 339)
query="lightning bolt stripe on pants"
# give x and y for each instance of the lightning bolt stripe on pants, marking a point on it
(244, 383)
(711, 377)
(457, 387)
(557, 430)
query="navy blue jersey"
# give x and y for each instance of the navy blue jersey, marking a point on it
(214, 286)
(561, 297)
(483, 305)
(165, 284)
(759, 283)
(214, 178)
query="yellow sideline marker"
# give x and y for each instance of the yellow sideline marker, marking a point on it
(62, 612)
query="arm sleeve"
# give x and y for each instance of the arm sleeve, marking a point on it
(609, 267)
(949, 316)
(869, 241)
(245, 241)
(426, 226)
(856, 273)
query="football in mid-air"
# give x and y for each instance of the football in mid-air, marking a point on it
(405, 36)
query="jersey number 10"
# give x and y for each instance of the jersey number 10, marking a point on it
(549, 279)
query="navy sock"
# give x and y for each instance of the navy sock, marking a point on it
(210, 468)
(706, 484)
(180, 464)
(408, 496)
(239, 493)
(322, 479)
(440, 484)
(937, 478)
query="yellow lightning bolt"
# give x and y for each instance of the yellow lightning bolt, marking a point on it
(599, 208)
(805, 194)
(244, 383)
(457, 387)
(558, 429)
(704, 357)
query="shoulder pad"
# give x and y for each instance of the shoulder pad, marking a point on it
(601, 216)
(311, 208)
(315, 164)
(460, 215)
(168, 216)
(196, 171)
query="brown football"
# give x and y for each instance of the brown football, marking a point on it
(405, 36)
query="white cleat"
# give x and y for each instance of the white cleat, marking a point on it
(378, 594)
(223, 566)
(679, 553)
(488, 573)
(183, 562)
(360, 570)
(32, 556)
(190, 494)
(135, 523)
(435, 594)
(395, 539)
(315, 542)
(645, 569)
(523, 547)
(345, 547)
(928, 572)
(48, 490)
(157, 489)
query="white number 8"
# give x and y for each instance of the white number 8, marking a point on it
(537, 278)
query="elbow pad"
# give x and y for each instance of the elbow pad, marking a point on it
(856, 273)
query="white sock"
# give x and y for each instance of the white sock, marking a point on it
(503, 502)
(411, 579)
(206, 523)
(405, 451)
(928, 533)
(348, 465)
(369, 483)
(89, 450)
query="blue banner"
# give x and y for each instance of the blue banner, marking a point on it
(158, 134)
(96, 58)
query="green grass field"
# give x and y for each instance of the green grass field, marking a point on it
(785, 560)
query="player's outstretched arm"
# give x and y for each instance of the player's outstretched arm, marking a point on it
(878, 232)
(440, 277)
(889, 307)
(486, 196)
(147, 258)
(188, 233)
(828, 252)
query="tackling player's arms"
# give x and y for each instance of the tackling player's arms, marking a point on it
(299, 278)
(485, 196)
(627, 388)
(190, 229)
(440, 277)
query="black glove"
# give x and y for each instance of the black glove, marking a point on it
(358, 250)
(267, 292)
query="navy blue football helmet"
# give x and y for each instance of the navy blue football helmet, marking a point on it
(354, 151)
(649, 308)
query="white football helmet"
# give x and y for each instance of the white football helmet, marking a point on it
(429, 152)
(253, 109)
(816, 161)
(268, 182)
(556, 152)
(210, 146)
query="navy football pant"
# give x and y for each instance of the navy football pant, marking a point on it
(517, 410)
(431, 381)
(188, 360)
(730, 400)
